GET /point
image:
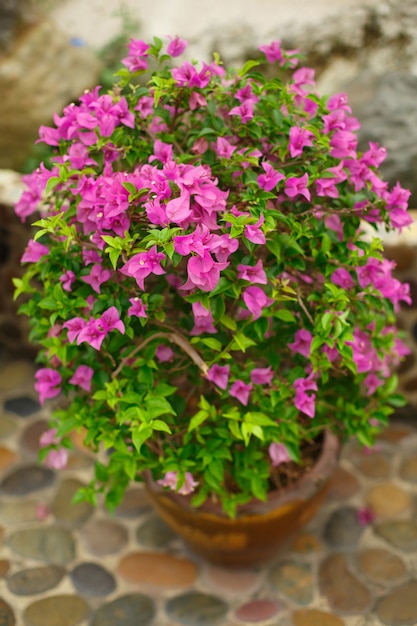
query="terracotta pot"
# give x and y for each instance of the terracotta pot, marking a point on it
(259, 528)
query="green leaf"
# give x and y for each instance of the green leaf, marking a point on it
(229, 322)
(52, 183)
(114, 257)
(285, 315)
(198, 419)
(140, 436)
(157, 406)
(248, 66)
(213, 344)
(162, 426)
(242, 342)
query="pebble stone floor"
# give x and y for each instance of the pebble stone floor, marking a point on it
(70, 565)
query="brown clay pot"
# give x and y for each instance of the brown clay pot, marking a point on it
(259, 528)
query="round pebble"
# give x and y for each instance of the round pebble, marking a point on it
(134, 503)
(7, 426)
(91, 579)
(400, 534)
(155, 568)
(133, 609)
(59, 610)
(7, 458)
(154, 533)
(7, 617)
(257, 611)
(387, 500)
(52, 544)
(343, 530)
(23, 406)
(25, 480)
(399, 607)
(234, 582)
(344, 592)
(343, 485)
(381, 567)
(293, 580)
(78, 461)
(375, 465)
(31, 435)
(15, 374)
(395, 433)
(35, 580)
(197, 609)
(408, 469)
(63, 507)
(312, 617)
(103, 536)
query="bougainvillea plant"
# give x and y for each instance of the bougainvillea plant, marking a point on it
(205, 301)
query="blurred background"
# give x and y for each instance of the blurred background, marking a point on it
(52, 50)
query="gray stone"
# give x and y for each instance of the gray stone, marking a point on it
(63, 507)
(19, 511)
(133, 609)
(30, 437)
(7, 617)
(197, 609)
(59, 610)
(104, 536)
(34, 580)
(91, 579)
(25, 480)
(343, 530)
(23, 406)
(399, 607)
(154, 533)
(51, 544)
(401, 534)
(294, 581)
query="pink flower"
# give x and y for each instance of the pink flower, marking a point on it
(56, 459)
(164, 353)
(343, 144)
(176, 46)
(297, 185)
(203, 320)
(366, 516)
(33, 252)
(300, 138)
(82, 377)
(244, 111)
(137, 59)
(303, 401)
(342, 278)
(74, 327)
(219, 375)
(49, 438)
(302, 342)
(67, 279)
(97, 277)
(262, 375)
(171, 480)
(326, 187)
(252, 273)
(240, 391)
(48, 383)
(254, 233)
(256, 300)
(278, 454)
(143, 264)
(270, 179)
(273, 52)
(138, 308)
(223, 148)
(203, 272)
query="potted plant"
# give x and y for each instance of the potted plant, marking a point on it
(208, 310)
